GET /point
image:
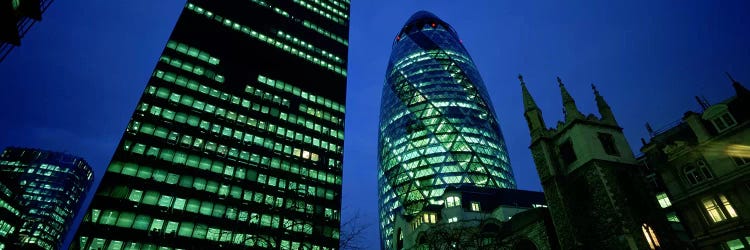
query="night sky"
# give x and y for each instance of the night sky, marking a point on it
(75, 81)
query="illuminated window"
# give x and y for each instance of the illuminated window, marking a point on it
(718, 208)
(452, 201)
(453, 219)
(429, 217)
(735, 244)
(672, 217)
(648, 232)
(663, 200)
(474, 206)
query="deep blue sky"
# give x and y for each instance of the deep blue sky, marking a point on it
(74, 82)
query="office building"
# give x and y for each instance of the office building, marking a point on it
(10, 218)
(48, 188)
(479, 218)
(237, 140)
(699, 168)
(437, 125)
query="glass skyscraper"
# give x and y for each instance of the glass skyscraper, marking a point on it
(437, 124)
(49, 188)
(236, 142)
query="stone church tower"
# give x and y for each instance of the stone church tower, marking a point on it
(591, 182)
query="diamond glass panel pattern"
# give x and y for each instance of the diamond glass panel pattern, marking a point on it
(437, 125)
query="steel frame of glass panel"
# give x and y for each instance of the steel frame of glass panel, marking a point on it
(437, 124)
(237, 139)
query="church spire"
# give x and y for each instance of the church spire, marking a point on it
(604, 110)
(569, 105)
(528, 101)
(532, 113)
(740, 90)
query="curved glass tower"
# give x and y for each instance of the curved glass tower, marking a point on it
(437, 125)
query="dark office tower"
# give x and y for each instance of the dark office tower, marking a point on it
(49, 188)
(16, 18)
(437, 125)
(237, 140)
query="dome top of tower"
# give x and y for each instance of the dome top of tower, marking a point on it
(422, 19)
(422, 16)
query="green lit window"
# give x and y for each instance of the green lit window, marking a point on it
(179, 203)
(125, 220)
(141, 222)
(108, 217)
(193, 205)
(156, 225)
(135, 195)
(165, 201)
(171, 227)
(663, 200)
(150, 197)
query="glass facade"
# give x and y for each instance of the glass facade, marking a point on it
(49, 189)
(10, 218)
(437, 124)
(237, 140)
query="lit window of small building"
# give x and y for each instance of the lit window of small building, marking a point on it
(452, 219)
(672, 217)
(648, 232)
(452, 201)
(475, 206)
(663, 200)
(429, 218)
(718, 208)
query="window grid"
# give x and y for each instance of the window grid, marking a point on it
(308, 46)
(192, 51)
(321, 12)
(289, 88)
(233, 153)
(228, 131)
(189, 67)
(237, 101)
(260, 36)
(305, 23)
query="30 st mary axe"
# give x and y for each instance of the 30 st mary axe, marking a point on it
(437, 124)
(237, 140)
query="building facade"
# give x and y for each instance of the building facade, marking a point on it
(592, 182)
(10, 218)
(16, 18)
(700, 170)
(479, 218)
(437, 124)
(49, 188)
(237, 140)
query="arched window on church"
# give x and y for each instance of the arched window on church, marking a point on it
(648, 232)
(400, 240)
(698, 173)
